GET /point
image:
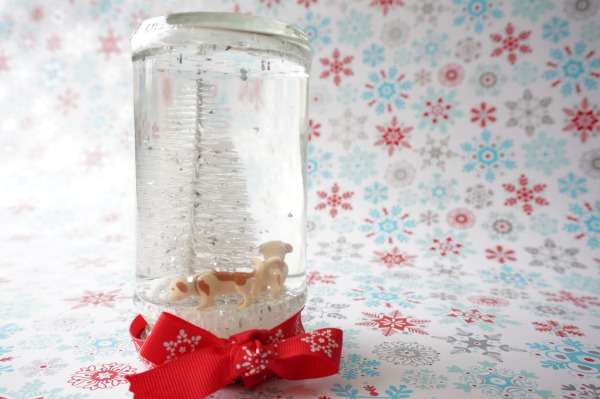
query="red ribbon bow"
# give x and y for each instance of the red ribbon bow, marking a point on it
(191, 363)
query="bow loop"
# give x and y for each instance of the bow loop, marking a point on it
(190, 362)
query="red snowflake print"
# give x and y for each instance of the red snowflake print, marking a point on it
(314, 129)
(580, 301)
(337, 67)
(108, 44)
(488, 301)
(500, 254)
(316, 277)
(561, 330)
(270, 3)
(137, 18)
(461, 218)
(451, 75)
(511, 44)
(393, 322)
(36, 14)
(583, 120)
(393, 136)
(67, 101)
(446, 247)
(53, 43)
(483, 115)
(471, 316)
(394, 257)
(437, 110)
(307, 3)
(104, 376)
(522, 193)
(386, 4)
(334, 200)
(3, 62)
(90, 298)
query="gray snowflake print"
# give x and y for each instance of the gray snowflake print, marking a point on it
(435, 152)
(479, 196)
(348, 128)
(529, 112)
(554, 257)
(317, 308)
(407, 353)
(452, 271)
(488, 344)
(339, 249)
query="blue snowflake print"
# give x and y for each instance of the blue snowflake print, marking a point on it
(424, 379)
(6, 27)
(6, 369)
(387, 90)
(268, 7)
(353, 366)
(316, 30)
(573, 68)
(90, 346)
(590, 32)
(525, 74)
(496, 382)
(572, 185)
(369, 391)
(449, 245)
(576, 281)
(544, 224)
(509, 277)
(585, 223)
(569, 355)
(376, 193)
(376, 296)
(531, 9)
(319, 165)
(358, 165)
(556, 29)
(437, 109)
(9, 329)
(6, 349)
(477, 13)
(355, 28)
(431, 48)
(106, 10)
(373, 55)
(439, 191)
(545, 154)
(488, 157)
(385, 225)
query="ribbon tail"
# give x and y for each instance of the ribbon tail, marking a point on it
(193, 376)
(295, 362)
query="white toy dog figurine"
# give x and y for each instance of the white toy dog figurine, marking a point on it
(273, 271)
(209, 285)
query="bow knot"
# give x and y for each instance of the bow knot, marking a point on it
(190, 362)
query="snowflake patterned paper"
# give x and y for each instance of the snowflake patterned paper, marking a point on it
(453, 205)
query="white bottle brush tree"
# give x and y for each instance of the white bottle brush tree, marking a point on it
(193, 200)
(223, 233)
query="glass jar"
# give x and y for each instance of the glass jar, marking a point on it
(221, 135)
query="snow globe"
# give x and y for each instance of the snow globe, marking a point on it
(220, 105)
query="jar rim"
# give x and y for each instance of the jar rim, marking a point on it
(223, 21)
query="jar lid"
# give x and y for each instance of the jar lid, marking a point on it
(155, 31)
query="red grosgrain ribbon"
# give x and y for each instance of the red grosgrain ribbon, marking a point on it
(191, 363)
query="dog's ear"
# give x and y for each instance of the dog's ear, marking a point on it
(288, 248)
(181, 286)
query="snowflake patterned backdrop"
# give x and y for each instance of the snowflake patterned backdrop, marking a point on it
(453, 204)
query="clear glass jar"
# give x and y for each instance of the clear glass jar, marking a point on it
(221, 136)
